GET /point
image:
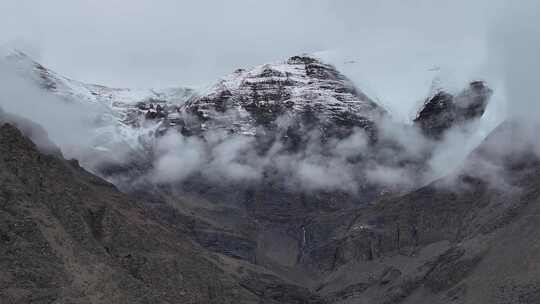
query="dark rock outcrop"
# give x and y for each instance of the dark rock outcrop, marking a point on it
(444, 110)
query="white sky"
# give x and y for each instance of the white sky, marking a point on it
(147, 43)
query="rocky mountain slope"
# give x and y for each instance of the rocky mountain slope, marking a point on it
(467, 238)
(263, 239)
(68, 236)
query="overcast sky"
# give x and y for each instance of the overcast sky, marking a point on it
(395, 45)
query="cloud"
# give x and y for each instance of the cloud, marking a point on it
(68, 124)
(515, 45)
(402, 160)
(177, 157)
(79, 129)
(328, 174)
(232, 159)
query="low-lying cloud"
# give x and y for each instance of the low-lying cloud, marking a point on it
(347, 164)
(77, 127)
(69, 124)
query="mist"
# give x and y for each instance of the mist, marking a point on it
(515, 42)
(331, 164)
(68, 125)
(78, 129)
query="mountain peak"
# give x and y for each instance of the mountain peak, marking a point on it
(300, 87)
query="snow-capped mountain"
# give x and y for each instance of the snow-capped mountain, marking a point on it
(301, 88)
(286, 102)
(301, 92)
